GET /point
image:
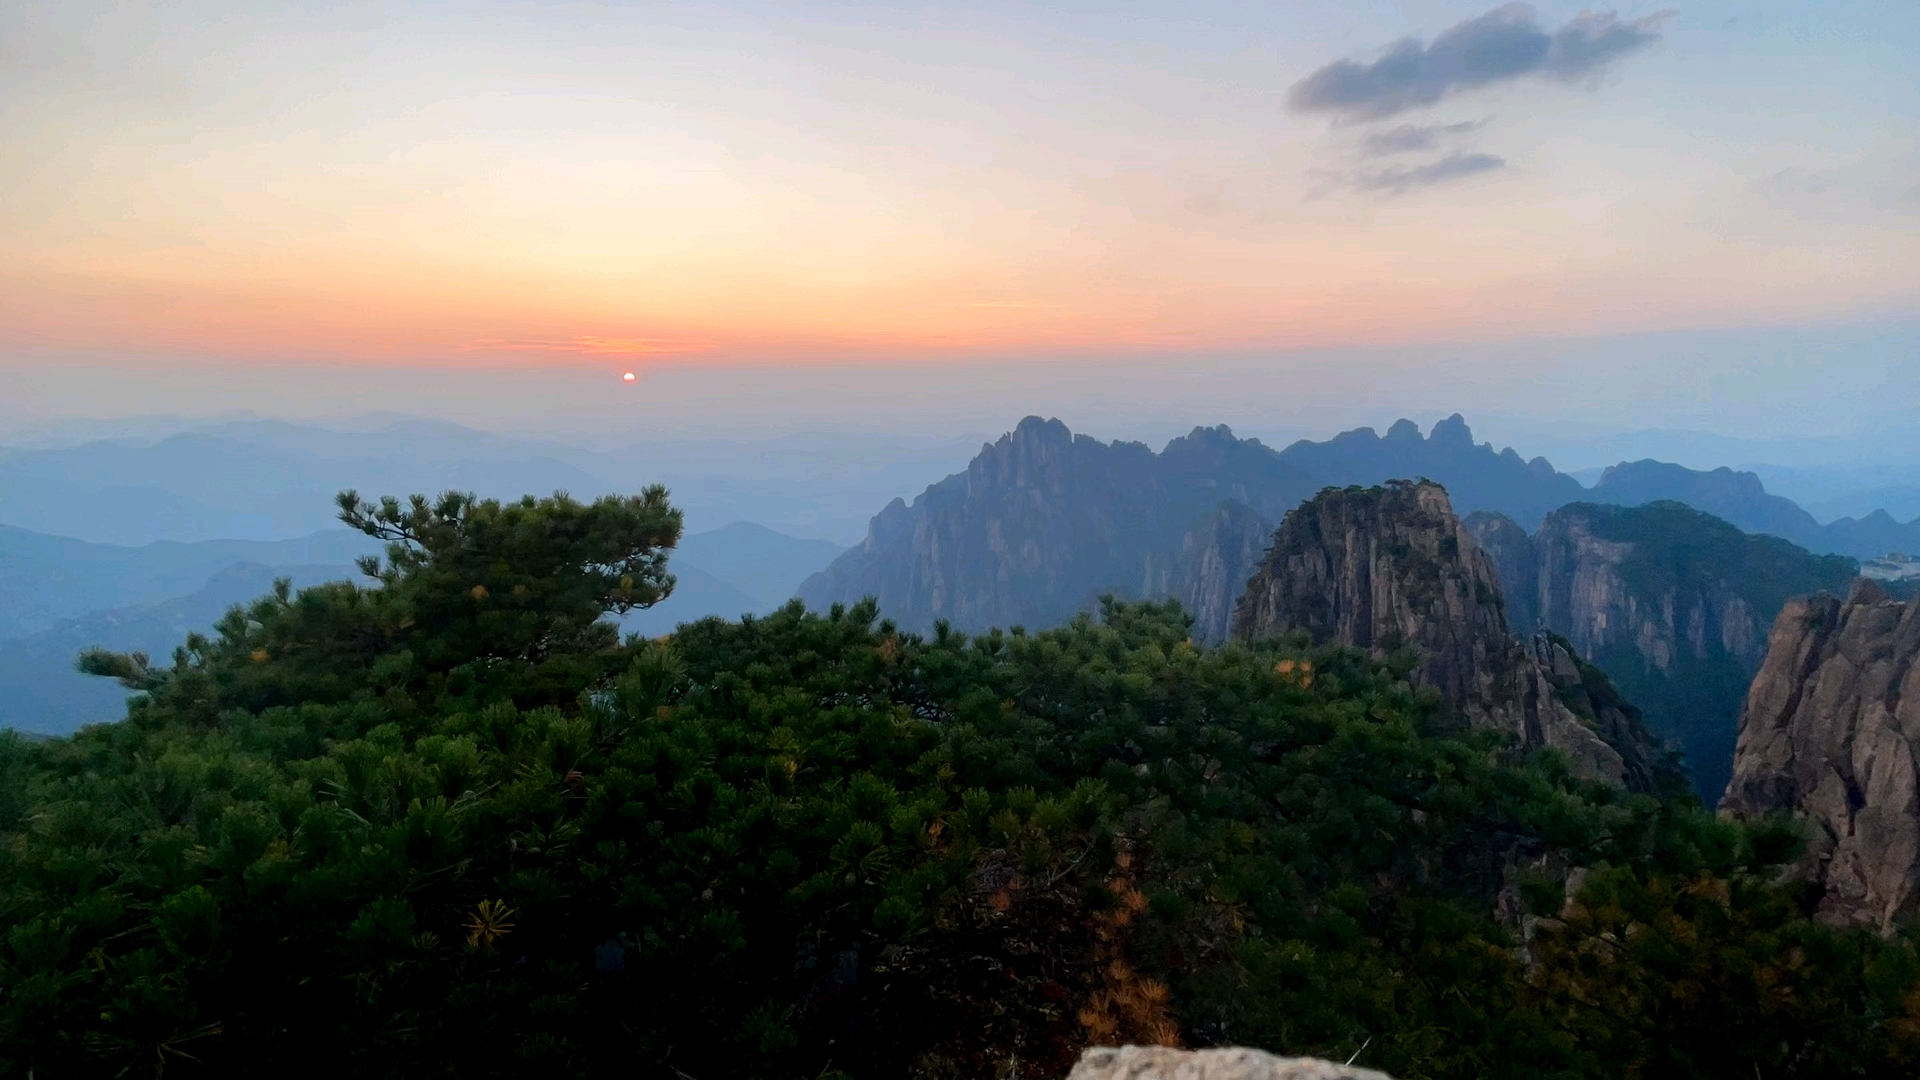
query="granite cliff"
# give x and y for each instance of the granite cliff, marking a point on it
(1044, 522)
(1211, 567)
(1674, 604)
(1828, 731)
(1392, 567)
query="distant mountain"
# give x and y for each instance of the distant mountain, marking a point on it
(763, 564)
(267, 479)
(154, 596)
(1476, 476)
(261, 479)
(1673, 603)
(1741, 499)
(41, 692)
(1735, 497)
(45, 579)
(1044, 521)
(696, 595)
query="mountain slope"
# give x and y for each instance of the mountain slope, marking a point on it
(1389, 568)
(1043, 522)
(759, 562)
(45, 579)
(697, 594)
(1674, 604)
(1741, 499)
(41, 692)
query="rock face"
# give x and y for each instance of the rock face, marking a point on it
(1043, 522)
(1387, 567)
(1828, 731)
(1227, 1063)
(1673, 603)
(1514, 563)
(1210, 570)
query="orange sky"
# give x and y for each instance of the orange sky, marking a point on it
(670, 185)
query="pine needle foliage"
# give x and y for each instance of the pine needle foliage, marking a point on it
(449, 824)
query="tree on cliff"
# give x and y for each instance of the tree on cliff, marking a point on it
(451, 825)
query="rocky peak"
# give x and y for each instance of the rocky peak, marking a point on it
(1377, 569)
(1382, 568)
(1452, 432)
(1043, 522)
(1828, 731)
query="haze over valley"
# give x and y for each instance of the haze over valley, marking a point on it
(131, 542)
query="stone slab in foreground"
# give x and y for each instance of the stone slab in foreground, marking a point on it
(1225, 1063)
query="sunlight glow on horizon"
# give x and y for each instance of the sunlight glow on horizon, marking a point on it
(682, 185)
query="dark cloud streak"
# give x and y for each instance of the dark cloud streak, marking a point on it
(1501, 46)
(1414, 138)
(1452, 167)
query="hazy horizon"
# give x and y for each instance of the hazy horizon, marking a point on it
(903, 217)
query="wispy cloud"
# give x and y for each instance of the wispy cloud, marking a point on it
(1415, 138)
(1501, 46)
(589, 345)
(1406, 178)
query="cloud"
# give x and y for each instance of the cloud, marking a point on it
(1865, 189)
(1501, 46)
(1399, 180)
(589, 345)
(1414, 138)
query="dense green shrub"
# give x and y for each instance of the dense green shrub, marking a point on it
(452, 826)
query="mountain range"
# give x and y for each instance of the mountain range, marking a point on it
(62, 596)
(1044, 521)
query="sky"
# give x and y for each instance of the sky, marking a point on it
(945, 216)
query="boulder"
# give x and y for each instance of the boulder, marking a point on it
(1829, 732)
(1223, 1063)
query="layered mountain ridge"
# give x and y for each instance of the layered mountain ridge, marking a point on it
(1673, 603)
(1045, 521)
(1392, 567)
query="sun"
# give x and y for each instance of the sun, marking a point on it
(628, 377)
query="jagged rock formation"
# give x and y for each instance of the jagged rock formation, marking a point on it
(1476, 476)
(1222, 1063)
(1390, 567)
(1514, 562)
(1672, 603)
(1828, 731)
(1210, 570)
(1044, 521)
